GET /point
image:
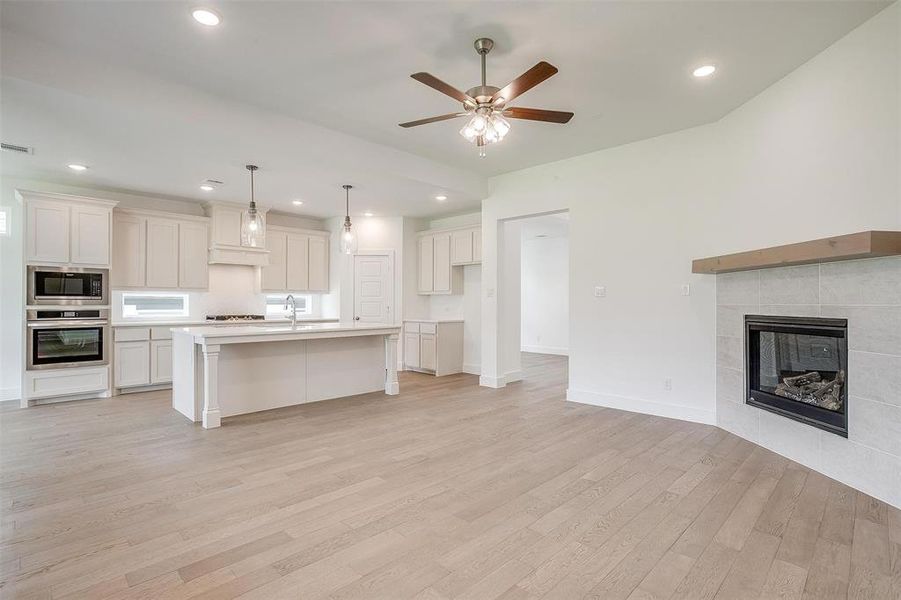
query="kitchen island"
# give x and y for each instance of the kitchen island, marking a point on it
(233, 370)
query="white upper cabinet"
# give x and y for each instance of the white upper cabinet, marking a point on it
(319, 263)
(157, 250)
(66, 230)
(129, 251)
(273, 276)
(193, 245)
(226, 246)
(298, 261)
(440, 252)
(90, 228)
(162, 253)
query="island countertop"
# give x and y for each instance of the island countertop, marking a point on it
(235, 334)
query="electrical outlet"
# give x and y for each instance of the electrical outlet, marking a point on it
(600, 291)
(686, 290)
(668, 384)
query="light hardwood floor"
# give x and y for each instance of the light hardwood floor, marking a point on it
(446, 491)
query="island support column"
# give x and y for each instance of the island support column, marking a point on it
(392, 387)
(211, 415)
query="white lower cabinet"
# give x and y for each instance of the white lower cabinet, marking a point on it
(160, 361)
(433, 346)
(132, 364)
(143, 357)
(50, 383)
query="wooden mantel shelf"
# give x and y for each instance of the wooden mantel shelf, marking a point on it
(866, 244)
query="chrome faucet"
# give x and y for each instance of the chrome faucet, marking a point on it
(290, 299)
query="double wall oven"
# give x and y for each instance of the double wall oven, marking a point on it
(65, 324)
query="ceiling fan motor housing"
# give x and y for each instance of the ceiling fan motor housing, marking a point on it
(482, 93)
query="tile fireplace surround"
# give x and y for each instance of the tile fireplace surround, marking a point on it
(868, 294)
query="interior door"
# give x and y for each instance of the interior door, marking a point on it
(372, 289)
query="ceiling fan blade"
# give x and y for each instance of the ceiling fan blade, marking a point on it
(433, 119)
(525, 82)
(537, 114)
(445, 88)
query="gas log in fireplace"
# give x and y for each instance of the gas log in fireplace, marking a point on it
(797, 367)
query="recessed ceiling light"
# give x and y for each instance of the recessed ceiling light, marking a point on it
(704, 71)
(367, 214)
(77, 167)
(205, 16)
(297, 202)
(206, 188)
(440, 197)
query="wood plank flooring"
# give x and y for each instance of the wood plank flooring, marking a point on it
(446, 491)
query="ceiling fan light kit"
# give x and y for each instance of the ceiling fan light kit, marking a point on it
(486, 105)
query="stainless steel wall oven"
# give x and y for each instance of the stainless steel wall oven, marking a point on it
(67, 338)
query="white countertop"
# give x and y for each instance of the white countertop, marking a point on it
(195, 322)
(239, 333)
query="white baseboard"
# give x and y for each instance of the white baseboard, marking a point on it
(10, 394)
(513, 377)
(672, 411)
(499, 382)
(546, 350)
(472, 369)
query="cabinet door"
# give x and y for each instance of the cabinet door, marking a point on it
(227, 226)
(90, 230)
(298, 259)
(426, 264)
(461, 247)
(442, 269)
(272, 277)
(132, 364)
(129, 251)
(162, 253)
(428, 351)
(477, 245)
(411, 350)
(160, 361)
(47, 232)
(193, 260)
(318, 261)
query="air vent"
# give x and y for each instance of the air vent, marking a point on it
(15, 148)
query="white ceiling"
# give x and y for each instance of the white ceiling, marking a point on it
(313, 91)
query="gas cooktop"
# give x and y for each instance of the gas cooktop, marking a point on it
(235, 317)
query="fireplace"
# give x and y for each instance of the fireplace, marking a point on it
(797, 367)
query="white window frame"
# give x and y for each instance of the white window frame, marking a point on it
(182, 313)
(278, 311)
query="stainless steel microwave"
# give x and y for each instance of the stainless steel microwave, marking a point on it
(67, 285)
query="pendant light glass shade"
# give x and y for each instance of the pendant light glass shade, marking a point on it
(348, 235)
(252, 228)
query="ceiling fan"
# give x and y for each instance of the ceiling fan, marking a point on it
(487, 105)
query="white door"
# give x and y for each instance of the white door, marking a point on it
(298, 263)
(372, 289)
(318, 264)
(129, 251)
(426, 264)
(272, 276)
(193, 269)
(47, 230)
(442, 259)
(90, 235)
(132, 363)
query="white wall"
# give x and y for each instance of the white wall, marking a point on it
(545, 295)
(814, 155)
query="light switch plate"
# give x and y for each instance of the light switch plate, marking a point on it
(686, 290)
(600, 291)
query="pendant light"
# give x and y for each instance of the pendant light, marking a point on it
(252, 231)
(348, 236)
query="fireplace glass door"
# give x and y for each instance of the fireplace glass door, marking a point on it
(798, 367)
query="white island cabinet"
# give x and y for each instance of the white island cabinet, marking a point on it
(225, 371)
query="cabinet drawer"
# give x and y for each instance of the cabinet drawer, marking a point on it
(46, 384)
(132, 334)
(160, 333)
(427, 328)
(411, 327)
